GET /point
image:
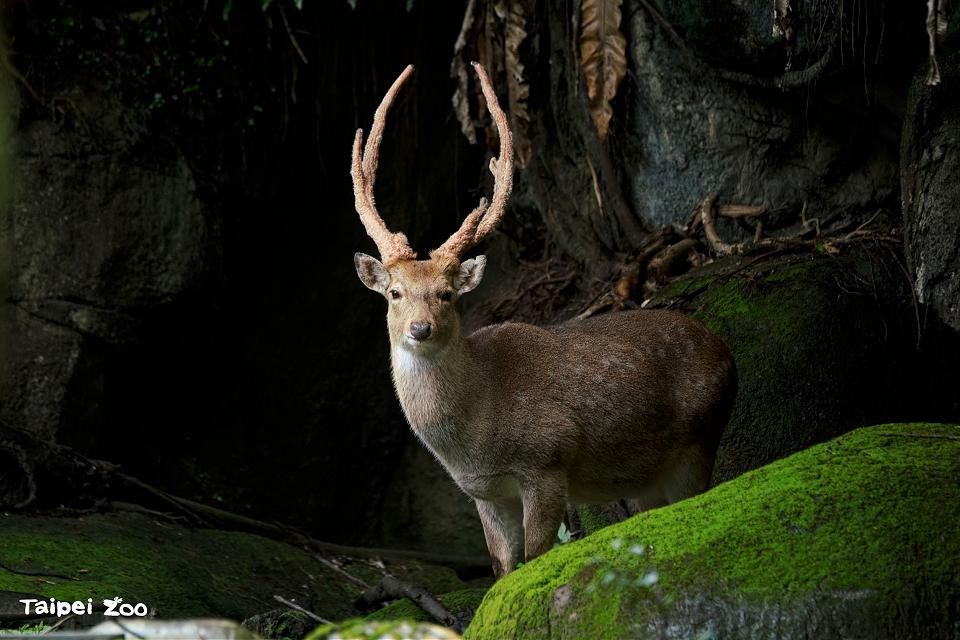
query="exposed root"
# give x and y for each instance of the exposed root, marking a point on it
(675, 249)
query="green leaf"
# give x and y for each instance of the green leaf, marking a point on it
(227, 8)
(298, 4)
(266, 5)
(353, 4)
(409, 6)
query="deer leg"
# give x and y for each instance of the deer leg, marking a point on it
(503, 530)
(544, 505)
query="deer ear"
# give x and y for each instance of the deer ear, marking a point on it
(471, 273)
(372, 273)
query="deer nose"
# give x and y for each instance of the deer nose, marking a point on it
(420, 330)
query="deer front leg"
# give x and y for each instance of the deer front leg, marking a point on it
(503, 530)
(544, 504)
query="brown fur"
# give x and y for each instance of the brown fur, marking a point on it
(526, 418)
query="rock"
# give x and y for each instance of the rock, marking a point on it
(822, 344)
(929, 165)
(425, 509)
(855, 538)
(690, 131)
(183, 572)
(390, 630)
(462, 604)
(102, 238)
(280, 623)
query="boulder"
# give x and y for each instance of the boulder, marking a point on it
(929, 165)
(854, 538)
(822, 344)
(184, 572)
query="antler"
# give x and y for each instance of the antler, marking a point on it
(392, 246)
(482, 220)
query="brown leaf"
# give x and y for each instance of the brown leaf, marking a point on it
(517, 90)
(458, 71)
(603, 58)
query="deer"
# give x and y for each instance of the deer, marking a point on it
(527, 419)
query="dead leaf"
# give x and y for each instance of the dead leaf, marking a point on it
(517, 90)
(458, 71)
(603, 58)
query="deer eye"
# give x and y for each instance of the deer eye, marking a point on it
(394, 294)
(446, 296)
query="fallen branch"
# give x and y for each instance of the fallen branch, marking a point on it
(392, 588)
(296, 607)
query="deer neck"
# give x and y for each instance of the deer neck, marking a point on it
(431, 389)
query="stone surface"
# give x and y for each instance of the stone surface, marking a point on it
(930, 164)
(822, 344)
(690, 131)
(181, 571)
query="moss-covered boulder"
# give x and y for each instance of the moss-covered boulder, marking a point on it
(823, 344)
(462, 604)
(180, 571)
(358, 629)
(858, 537)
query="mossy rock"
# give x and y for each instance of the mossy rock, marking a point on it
(462, 604)
(823, 344)
(179, 571)
(858, 537)
(360, 629)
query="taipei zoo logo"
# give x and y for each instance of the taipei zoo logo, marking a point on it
(115, 607)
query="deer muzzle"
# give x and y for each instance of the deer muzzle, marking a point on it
(420, 331)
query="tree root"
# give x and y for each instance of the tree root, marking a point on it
(674, 249)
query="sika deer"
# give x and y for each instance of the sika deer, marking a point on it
(527, 418)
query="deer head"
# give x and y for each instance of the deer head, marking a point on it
(421, 294)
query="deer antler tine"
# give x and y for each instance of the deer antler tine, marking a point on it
(501, 167)
(482, 220)
(371, 154)
(392, 246)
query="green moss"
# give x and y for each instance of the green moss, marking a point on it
(461, 603)
(866, 513)
(181, 572)
(592, 518)
(359, 628)
(822, 344)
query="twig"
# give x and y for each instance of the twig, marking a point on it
(58, 624)
(333, 566)
(931, 436)
(544, 281)
(296, 607)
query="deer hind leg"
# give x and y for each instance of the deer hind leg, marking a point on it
(544, 505)
(689, 474)
(503, 530)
